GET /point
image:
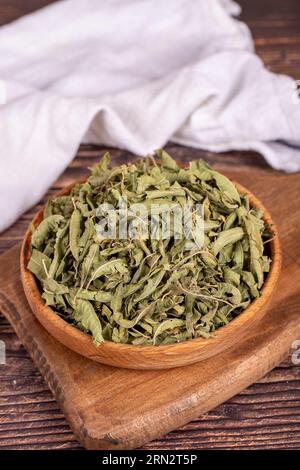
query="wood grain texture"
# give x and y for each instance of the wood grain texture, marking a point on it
(114, 408)
(83, 388)
(266, 415)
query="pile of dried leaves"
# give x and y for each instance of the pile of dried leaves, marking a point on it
(150, 291)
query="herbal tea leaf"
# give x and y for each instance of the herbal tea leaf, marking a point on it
(39, 264)
(85, 315)
(75, 233)
(141, 287)
(227, 237)
(44, 229)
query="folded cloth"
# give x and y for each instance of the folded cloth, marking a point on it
(133, 74)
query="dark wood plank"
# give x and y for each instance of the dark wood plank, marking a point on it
(11, 10)
(84, 388)
(264, 416)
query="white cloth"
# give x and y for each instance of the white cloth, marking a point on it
(133, 74)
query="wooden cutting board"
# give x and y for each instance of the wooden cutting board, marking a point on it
(110, 408)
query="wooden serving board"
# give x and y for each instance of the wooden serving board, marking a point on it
(110, 408)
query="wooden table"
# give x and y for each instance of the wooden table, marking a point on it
(266, 415)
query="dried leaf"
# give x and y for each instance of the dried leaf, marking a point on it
(150, 290)
(86, 316)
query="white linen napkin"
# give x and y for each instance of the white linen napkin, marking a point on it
(133, 74)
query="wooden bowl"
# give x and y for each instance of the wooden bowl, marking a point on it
(152, 357)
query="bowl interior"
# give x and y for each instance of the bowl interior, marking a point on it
(82, 342)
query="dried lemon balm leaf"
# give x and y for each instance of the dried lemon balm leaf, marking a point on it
(132, 283)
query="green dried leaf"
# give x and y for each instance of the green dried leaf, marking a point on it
(167, 325)
(150, 290)
(227, 237)
(86, 316)
(75, 232)
(39, 264)
(44, 229)
(166, 160)
(54, 287)
(108, 268)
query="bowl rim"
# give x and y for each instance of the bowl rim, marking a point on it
(58, 323)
